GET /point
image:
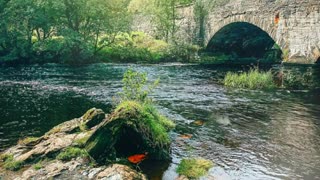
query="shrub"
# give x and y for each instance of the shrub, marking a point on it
(298, 80)
(135, 87)
(250, 80)
(194, 168)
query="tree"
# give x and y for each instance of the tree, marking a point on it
(73, 30)
(17, 29)
(24, 23)
(85, 21)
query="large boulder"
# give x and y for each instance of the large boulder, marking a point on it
(133, 128)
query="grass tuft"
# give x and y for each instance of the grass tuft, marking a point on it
(194, 168)
(250, 80)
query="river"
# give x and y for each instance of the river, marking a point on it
(248, 134)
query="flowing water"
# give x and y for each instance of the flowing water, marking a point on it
(247, 134)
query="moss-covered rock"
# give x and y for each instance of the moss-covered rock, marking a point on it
(29, 141)
(72, 152)
(92, 117)
(194, 168)
(131, 129)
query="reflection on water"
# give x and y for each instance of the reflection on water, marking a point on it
(248, 134)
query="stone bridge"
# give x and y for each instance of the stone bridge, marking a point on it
(293, 24)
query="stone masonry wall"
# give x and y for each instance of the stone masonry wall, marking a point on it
(293, 24)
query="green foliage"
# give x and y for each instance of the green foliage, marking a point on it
(86, 31)
(182, 52)
(297, 79)
(251, 80)
(29, 29)
(135, 47)
(129, 55)
(72, 152)
(194, 168)
(11, 164)
(135, 87)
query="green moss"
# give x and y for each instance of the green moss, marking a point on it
(81, 142)
(194, 168)
(83, 127)
(129, 107)
(131, 117)
(53, 130)
(165, 122)
(38, 166)
(4, 157)
(251, 80)
(72, 152)
(28, 140)
(11, 164)
(149, 120)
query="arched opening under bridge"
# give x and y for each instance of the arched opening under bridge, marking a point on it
(242, 42)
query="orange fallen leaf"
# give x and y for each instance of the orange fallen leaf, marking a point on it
(186, 136)
(137, 158)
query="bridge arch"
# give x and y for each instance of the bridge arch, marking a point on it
(270, 25)
(244, 41)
